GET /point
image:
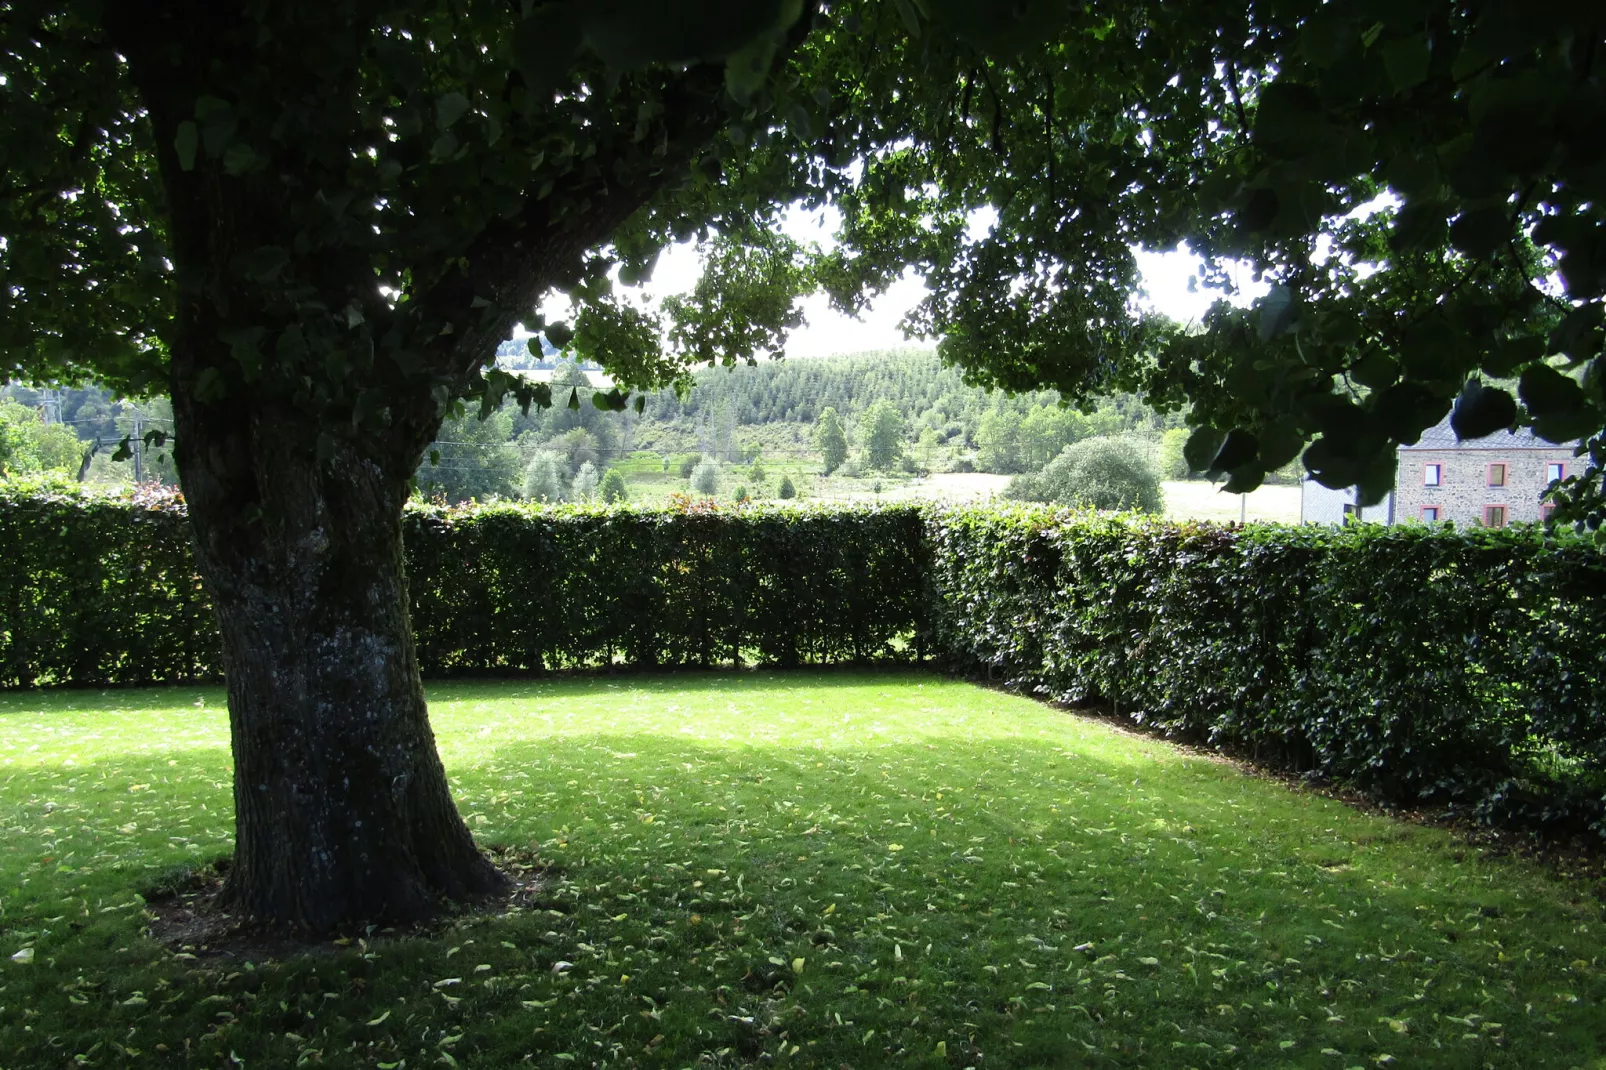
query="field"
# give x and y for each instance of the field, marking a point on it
(1184, 500)
(1198, 500)
(811, 869)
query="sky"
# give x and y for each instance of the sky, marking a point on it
(828, 332)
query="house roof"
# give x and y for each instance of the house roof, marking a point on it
(1441, 437)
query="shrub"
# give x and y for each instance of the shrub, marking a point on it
(505, 588)
(1098, 473)
(613, 487)
(786, 489)
(705, 477)
(1415, 663)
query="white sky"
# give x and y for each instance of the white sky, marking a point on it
(827, 332)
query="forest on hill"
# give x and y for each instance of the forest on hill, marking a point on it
(899, 413)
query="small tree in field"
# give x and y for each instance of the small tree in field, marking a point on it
(831, 439)
(786, 489)
(1100, 473)
(585, 483)
(883, 435)
(705, 477)
(544, 478)
(613, 487)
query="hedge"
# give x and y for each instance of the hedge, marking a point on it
(100, 591)
(1416, 663)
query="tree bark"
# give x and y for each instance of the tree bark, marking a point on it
(342, 809)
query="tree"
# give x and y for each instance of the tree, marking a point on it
(1045, 431)
(1173, 465)
(314, 224)
(613, 487)
(545, 479)
(584, 487)
(786, 490)
(705, 477)
(472, 459)
(831, 439)
(883, 435)
(998, 440)
(1099, 473)
(27, 444)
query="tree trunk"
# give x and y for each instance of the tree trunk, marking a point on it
(342, 810)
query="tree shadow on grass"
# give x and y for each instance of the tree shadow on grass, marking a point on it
(1017, 897)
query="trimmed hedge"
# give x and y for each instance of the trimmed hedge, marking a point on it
(98, 591)
(515, 588)
(1413, 662)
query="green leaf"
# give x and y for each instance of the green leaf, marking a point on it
(1407, 61)
(910, 17)
(1507, 355)
(1289, 121)
(263, 264)
(239, 158)
(1375, 369)
(1406, 409)
(1547, 392)
(1481, 411)
(1280, 443)
(1559, 405)
(449, 108)
(559, 334)
(209, 385)
(1239, 448)
(1278, 312)
(1244, 479)
(1419, 225)
(747, 68)
(574, 398)
(1481, 232)
(1202, 447)
(186, 141)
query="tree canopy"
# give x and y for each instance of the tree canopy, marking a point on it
(1258, 134)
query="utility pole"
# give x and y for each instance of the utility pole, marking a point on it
(139, 447)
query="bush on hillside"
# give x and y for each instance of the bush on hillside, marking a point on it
(1096, 473)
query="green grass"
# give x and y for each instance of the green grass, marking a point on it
(828, 870)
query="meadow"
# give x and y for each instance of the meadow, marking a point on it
(835, 869)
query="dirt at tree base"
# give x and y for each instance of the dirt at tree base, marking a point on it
(184, 916)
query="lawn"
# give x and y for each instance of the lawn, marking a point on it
(811, 869)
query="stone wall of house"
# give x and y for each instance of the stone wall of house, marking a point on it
(1464, 489)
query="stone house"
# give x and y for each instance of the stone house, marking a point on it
(1491, 481)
